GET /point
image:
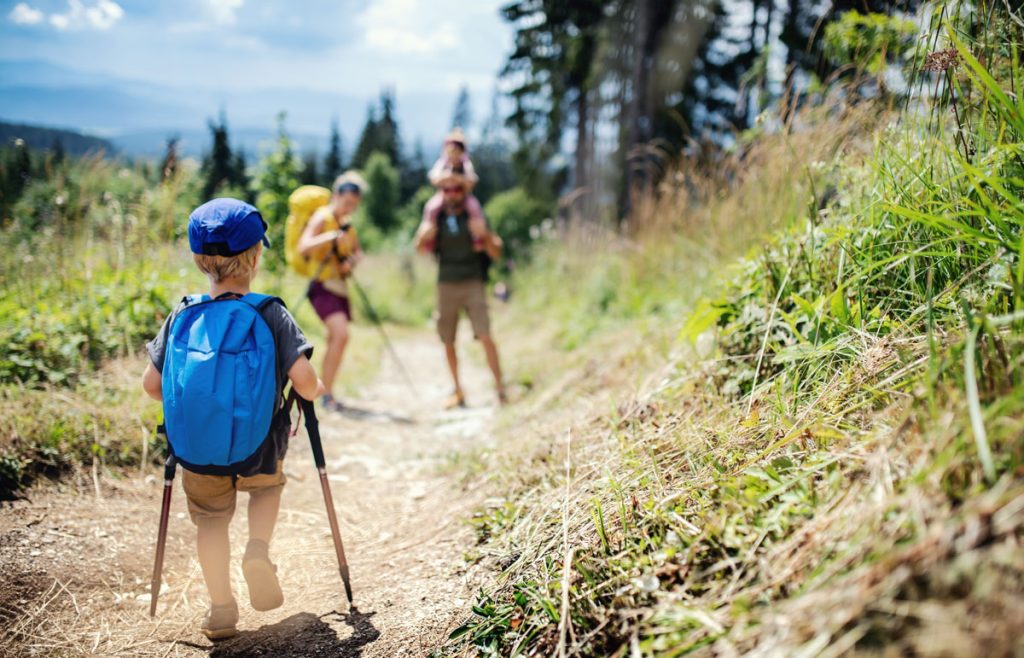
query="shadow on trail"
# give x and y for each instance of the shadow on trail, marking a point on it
(302, 635)
(374, 416)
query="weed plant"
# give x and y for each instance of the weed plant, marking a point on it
(86, 277)
(836, 467)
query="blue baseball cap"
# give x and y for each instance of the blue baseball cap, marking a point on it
(225, 227)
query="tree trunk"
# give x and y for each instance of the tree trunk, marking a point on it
(583, 169)
(651, 18)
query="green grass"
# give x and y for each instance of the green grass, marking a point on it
(816, 459)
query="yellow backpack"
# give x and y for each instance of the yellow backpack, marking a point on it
(302, 203)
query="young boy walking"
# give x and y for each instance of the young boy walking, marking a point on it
(227, 237)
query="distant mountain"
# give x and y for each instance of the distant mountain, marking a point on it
(139, 116)
(40, 73)
(39, 138)
(195, 142)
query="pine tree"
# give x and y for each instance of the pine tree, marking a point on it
(380, 133)
(462, 114)
(333, 161)
(387, 139)
(57, 153)
(310, 174)
(238, 176)
(381, 200)
(219, 166)
(20, 171)
(367, 139)
(15, 174)
(169, 164)
(555, 47)
(277, 178)
(413, 174)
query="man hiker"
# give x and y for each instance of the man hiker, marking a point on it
(219, 365)
(464, 247)
(330, 240)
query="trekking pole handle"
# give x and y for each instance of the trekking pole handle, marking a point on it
(170, 466)
(313, 429)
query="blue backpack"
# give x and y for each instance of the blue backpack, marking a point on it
(219, 382)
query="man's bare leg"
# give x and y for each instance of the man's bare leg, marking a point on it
(491, 350)
(453, 367)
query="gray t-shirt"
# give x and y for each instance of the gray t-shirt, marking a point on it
(290, 344)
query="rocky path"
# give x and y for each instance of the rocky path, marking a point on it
(75, 563)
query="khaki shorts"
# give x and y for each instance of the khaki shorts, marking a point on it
(213, 496)
(454, 296)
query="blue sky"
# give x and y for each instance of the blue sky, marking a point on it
(350, 47)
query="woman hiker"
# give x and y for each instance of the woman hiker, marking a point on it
(330, 238)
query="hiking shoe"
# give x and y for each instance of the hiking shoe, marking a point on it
(502, 397)
(261, 577)
(331, 403)
(220, 621)
(456, 399)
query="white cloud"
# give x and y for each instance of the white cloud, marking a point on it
(402, 41)
(22, 14)
(407, 27)
(100, 15)
(223, 11)
(104, 14)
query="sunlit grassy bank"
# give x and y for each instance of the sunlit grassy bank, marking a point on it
(812, 449)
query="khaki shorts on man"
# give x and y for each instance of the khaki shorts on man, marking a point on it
(456, 296)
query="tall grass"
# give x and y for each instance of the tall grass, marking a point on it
(837, 466)
(87, 274)
(707, 212)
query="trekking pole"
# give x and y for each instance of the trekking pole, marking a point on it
(309, 286)
(313, 429)
(170, 466)
(380, 327)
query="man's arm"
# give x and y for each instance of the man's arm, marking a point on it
(493, 245)
(425, 235)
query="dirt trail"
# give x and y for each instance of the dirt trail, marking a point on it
(75, 564)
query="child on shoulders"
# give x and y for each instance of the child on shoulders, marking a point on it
(453, 163)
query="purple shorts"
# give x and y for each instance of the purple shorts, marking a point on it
(326, 303)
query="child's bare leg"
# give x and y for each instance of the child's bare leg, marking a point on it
(473, 207)
(264, 505)
(260, 574)
(214, 550)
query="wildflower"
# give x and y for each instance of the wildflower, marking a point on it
(942, 60)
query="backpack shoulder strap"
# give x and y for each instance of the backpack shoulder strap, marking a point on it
(189, 300)
(261, 303)
(258, 301)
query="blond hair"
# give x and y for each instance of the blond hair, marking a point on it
(351, 176)
(229, 267)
